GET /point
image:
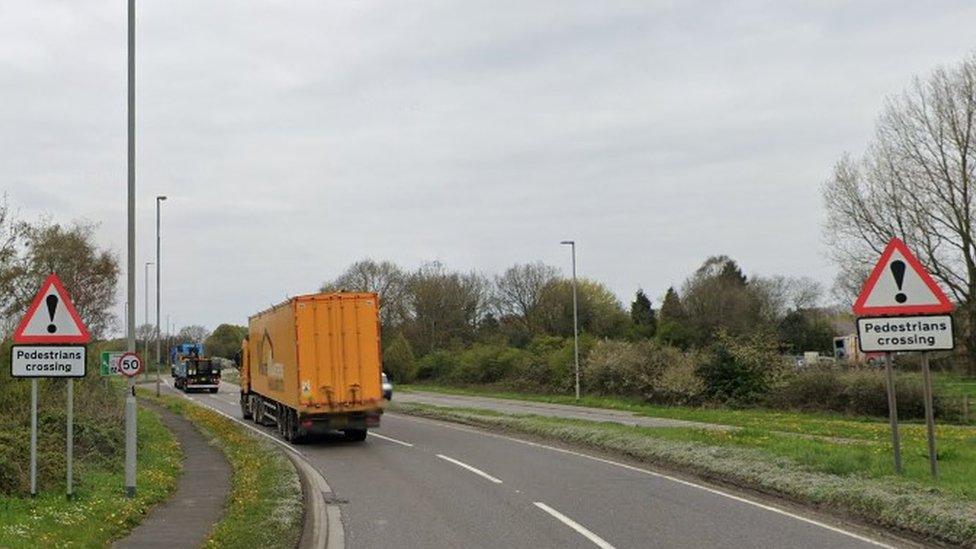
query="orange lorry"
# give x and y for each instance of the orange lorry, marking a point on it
(312, 364)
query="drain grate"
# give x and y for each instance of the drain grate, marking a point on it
(332, 499)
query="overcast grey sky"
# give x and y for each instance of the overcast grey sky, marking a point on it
(296, 137)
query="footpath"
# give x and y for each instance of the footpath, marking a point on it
(187, 518)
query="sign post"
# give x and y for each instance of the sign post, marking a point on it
(902, 309)
(893, 411)
(44, 349)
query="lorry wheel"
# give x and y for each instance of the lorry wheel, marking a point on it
(245, 409)
(354, 435)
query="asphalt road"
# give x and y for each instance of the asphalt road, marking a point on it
(421, 483)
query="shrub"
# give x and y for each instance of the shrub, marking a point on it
(740, 369)
(858, 392)
(398, 361)
(658, 373)
(437, 365)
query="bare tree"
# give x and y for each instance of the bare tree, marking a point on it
(385, 278)
(192, 334)
(89, 274)
(917, 182)
(520, 289)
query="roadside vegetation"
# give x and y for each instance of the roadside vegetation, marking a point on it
(265, 507)
(99, 513)
(787, 455)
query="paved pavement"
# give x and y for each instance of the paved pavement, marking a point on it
(546, 409)
(190, 514)
(421, 483)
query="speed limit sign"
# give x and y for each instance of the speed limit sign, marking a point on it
(130, 364)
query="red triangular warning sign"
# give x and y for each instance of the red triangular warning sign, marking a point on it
(900, 285)
(51, 317)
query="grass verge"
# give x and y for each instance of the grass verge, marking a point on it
(98, 513)
(807, 471)
(265, 507)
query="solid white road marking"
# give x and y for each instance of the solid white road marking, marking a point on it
(474, 470)
(657, 475)
(389, 439)
(600, 542)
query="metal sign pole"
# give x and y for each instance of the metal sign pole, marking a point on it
(33, 440)
(930, 416)
(71, 435)
(893, 411)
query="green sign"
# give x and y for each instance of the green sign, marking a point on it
(110, 363)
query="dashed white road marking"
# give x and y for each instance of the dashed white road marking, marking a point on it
(389, 439)
(657, 475)
(597, 540)
(474, 470)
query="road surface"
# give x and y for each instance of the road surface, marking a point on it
(421, 483)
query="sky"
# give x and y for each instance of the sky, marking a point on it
(293, 138)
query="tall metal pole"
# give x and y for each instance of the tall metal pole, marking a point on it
(893, 411)
(130, 398)
(145, 345)
(158, 267)
(929, 416)
(572, 244)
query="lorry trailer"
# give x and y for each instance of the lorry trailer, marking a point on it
(178, 352)
(312, 364)
(197, 373)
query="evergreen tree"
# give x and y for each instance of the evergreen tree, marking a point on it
(671, 308)
(642, 314)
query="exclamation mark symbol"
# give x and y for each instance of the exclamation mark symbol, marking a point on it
(52, 305)
(898, 271)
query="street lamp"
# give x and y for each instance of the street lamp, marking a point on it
(572, 245)
(145, 371)
(159, 199)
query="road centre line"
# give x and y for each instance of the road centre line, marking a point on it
(474, 470)
(600, 542)
(389, 439)
(714, 491)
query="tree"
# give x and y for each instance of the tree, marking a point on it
(806, 330)
(384, 278)
(192, 334)
(89, 274)
(916, 181)
(445, 307)
(520, 289)
(718, 297)
(600, 312)
(642, 314)
(398, 360)
(225, 341)
(673, 328)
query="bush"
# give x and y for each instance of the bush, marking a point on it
(398, 360)
(858, 392)
(488, 363)
(655, 372)
(740, 369)
(436, 366)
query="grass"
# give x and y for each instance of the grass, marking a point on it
(98, 513)
(853, 479)
(265, 507)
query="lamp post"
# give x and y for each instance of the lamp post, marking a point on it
(145, 371)
(572, 245)
(130, 314)
(159, 199)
